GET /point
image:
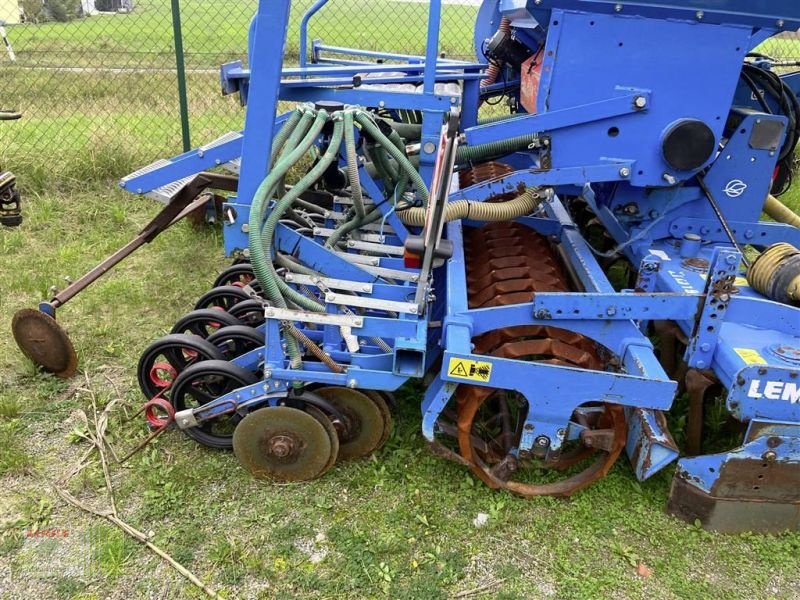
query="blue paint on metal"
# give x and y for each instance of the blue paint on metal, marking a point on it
(610, 94)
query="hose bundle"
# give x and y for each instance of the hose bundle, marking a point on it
(273, 202)
(767, 84)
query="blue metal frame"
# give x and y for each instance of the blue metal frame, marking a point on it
(609, 93)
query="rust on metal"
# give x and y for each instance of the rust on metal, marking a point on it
(507, 263)
(286, 444)
(45, 342)
(698, 384)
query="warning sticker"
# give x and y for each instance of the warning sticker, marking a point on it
(470, 369)
(750, 356)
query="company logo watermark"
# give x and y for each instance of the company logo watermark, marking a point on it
(57, 552)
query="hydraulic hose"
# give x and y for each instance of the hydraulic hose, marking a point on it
(288, 127)
(375, 133)
(410, 132)
(303, 127)
(352, 164)
(274, 284)
(262, 266)
(485, 212)
(778, 211)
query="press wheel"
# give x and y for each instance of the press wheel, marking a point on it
(239, 275)
(366, 421)
(202, 383)
(223, 297)
(236, 340)
(284, 444)
(204, 322)
(164, 359)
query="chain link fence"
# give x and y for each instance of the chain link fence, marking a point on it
(97, 80)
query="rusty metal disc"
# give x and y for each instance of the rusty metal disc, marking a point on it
(45, 342)
(283, 444)
(382, 400)
(333, 436)
(364, 421)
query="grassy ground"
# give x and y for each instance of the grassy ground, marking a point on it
(399, 525)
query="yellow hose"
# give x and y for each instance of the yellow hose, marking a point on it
(520, 206)
(778, 211)
(776, 273)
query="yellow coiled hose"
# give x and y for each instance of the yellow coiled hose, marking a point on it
(776, 273)
(520, 206)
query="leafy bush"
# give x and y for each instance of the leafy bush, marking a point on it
(40, 11)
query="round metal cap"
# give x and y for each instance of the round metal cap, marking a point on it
(45, 342)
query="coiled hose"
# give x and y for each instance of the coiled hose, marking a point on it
(776, 273)
(487, 212)
(482, 152)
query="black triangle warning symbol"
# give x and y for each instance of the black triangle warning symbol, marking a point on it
(459, 370)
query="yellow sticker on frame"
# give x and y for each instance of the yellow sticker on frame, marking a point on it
(750, 356)
(472, 370)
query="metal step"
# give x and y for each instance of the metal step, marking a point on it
(166, 193)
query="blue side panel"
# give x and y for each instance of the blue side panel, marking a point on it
(597, 51)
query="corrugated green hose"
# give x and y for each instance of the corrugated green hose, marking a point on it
(273, 281)
(302, 128)
(288, 127)
(486, 212)
(483, 152)
(365, 120)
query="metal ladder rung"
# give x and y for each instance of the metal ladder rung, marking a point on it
(223, 139)
(167, 192)
(161, 162)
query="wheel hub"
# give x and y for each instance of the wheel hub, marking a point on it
(283, 446)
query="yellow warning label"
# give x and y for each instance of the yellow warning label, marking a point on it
(750, 356)
(470, 369)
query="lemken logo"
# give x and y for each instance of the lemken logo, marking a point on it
(735, 188)
(774, 390)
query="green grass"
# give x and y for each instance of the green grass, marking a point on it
(399, 525)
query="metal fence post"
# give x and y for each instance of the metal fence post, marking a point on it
(181, 68)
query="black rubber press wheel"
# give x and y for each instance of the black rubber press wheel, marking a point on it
(202, 383)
